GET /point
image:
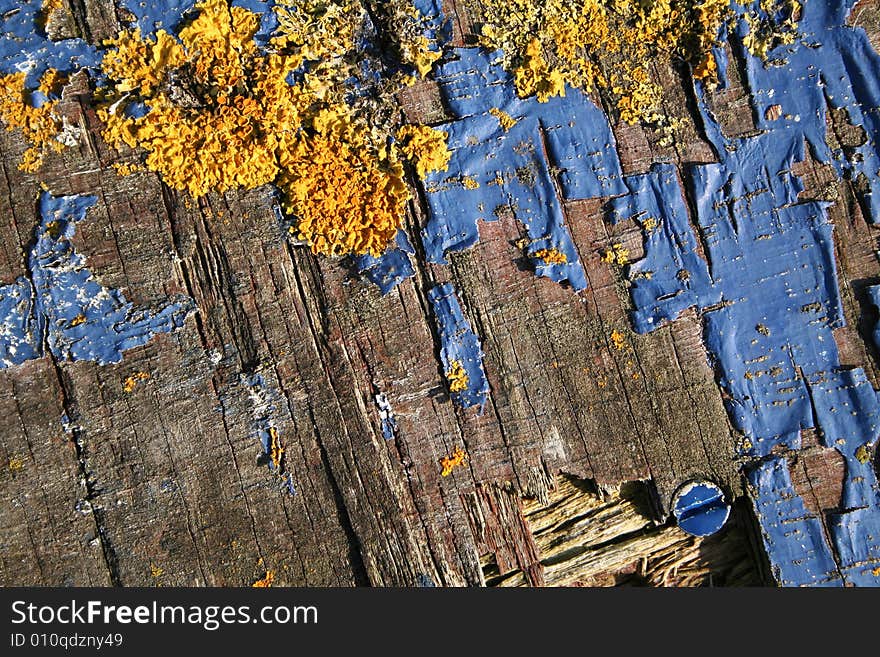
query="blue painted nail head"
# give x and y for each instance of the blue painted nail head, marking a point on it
(700, 509)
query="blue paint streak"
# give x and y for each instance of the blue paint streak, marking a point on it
(391, 268)
(18, 341)
(700, 509)
(793, 538)
(63, 306)
(459, 343)
(672, 276)
(25, 47)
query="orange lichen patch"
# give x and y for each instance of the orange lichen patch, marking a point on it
(551, 256)
(469, 182)
(266, 580)
(505, 119)
(649, 224)
(777, 26)
(457, 377)
(408, 28)
(126, 168)
(48, 8)
(425, 147)
(863, 454)
(534, 77)
(79, 319)
(39, 126)
(222, 116)
(419, 53)
(449, 463)
(155, 571)
(346, 201)
(132, 381)
(602, 44)
(15, 464)
(616, 254)
(276, 451)
(618, 340)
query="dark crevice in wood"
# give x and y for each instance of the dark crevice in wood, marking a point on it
(92, 491)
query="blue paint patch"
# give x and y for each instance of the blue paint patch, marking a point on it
(793, 538)
(565, 141)
(857, 541)
(265, 9)
(154, 15)
(386, 417)
(64, 307)
(263, 400)
(759, 264)
(25, 47)
(459, 344)
(81, 319)
(672, 276)
(700, 509)
(18, 341)
(831, 64)
(391, 268)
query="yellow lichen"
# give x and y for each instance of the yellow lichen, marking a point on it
(505, 119)
(132, 381)
(15, 464)
(863, 454)
(618, 340)
(222, 115)
(425, 147)
(125, 168)
(607, 45)
(155, 571)
(449, 463)
(469, 182)
(616, 254)
(649, 224)
(408, 28)
(534, 77)
(39, 126)
(773, 23)
(276, 451)
(551, 256)
(266, 581)
(457, 377)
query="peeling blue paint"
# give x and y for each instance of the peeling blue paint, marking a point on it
(386, 416)
(566, 141)
(830, 65)
(63, 307)
(759, 263)
(793, 538)
(25, 47)
(459, 344)
(263, 401)
(700, 509)
(391, 268)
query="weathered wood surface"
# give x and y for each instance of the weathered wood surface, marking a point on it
(165, 484)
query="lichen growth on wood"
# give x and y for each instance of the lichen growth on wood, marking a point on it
(605, 45)
(39, 125)
(449, 463)
(425, 147)
(224, 114)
